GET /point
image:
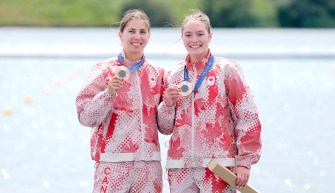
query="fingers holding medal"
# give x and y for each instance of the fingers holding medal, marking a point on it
(116, 82)
(185, 88)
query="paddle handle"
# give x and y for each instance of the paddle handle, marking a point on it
(228, 176)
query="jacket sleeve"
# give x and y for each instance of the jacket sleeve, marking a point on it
(245, 116)
(93, 102)
(165, 114)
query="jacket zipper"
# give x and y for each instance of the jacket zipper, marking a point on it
(192, 110)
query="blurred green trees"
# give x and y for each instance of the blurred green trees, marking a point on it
(157, 12)
(265, 13)
(162, 13)
(308, 13)
(235, 13)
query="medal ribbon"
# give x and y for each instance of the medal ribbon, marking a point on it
(202, 75)
(134, 67)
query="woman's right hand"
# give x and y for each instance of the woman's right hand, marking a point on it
(171, 95)
(114, 84)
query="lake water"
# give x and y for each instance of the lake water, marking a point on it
(44, 148)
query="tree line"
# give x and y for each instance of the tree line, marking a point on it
(163, 13)
(250, 13)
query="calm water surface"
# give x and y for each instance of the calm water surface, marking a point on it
(45, 149)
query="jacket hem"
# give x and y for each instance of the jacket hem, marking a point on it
(123, 157)
(181, 163)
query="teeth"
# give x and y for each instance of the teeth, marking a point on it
(195, 46)
(136, 44)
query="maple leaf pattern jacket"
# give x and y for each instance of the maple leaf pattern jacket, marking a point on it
(220, 120)
(124, 127)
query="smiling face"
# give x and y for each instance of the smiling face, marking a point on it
(134, 38)
(196, 39)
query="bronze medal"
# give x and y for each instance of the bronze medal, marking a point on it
(185, 88)
(122, 72)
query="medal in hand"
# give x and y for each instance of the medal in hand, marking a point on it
(122, 72)
(185, 88)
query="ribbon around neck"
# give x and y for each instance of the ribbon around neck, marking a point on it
(135, 67)
(202, 75)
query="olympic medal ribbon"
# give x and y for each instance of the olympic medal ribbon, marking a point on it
(202, 75)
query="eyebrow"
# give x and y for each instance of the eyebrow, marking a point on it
(195, 32)
(139, 29)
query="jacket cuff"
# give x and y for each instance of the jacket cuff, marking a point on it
(247, 160)
(169, 108)
(106, 98)
(244, 164)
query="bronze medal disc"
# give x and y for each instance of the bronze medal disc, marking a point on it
(122, 72)
(185, 88)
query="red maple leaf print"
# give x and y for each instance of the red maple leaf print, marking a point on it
(148, 116)
(107, 73)
(98, 140)
(219, 111)
(157, 186)
(221, 105)
(111, 126)
(148, 90)
(144, 80)
(199, 105)
(122, 100)
(217, 183)
(212, 86)
(185, 119)
(212, 132)
(212, 93)
(176, 152)
(129, 145)
(151, 136)
(154, 89)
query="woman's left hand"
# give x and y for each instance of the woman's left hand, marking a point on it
(242, 174)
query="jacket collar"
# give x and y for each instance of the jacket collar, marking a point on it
(199, 65)
(127, 62)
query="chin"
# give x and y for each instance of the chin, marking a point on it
(197, 52)
(137, 50)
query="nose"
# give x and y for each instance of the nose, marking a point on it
(137, 35)
(194, 39)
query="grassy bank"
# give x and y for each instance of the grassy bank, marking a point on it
(76, 12)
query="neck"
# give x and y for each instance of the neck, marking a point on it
(198, 57)
(133, 57)
(197, 61)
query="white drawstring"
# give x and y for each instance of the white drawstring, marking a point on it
(166, 174)
(166, 144)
